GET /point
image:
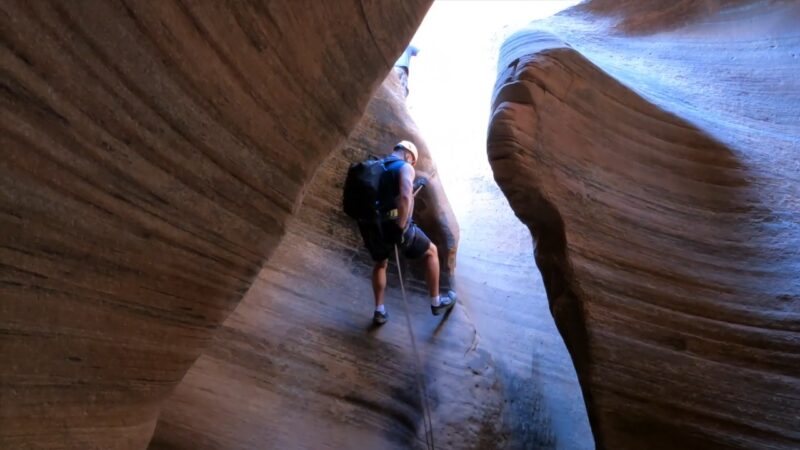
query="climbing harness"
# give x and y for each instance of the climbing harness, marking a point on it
(426, 412)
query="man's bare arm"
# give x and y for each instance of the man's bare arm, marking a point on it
(406, 201)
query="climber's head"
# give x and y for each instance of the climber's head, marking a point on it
(407, 148)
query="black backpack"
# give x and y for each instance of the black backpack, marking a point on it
(361, 199)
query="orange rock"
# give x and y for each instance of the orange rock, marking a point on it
(152, 156)
(658, 175)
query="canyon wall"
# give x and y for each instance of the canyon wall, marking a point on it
(154, 160)
(653, 153)
(152, 155)
(298, 363)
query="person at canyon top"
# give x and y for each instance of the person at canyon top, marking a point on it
(397, 190)
(403, 65)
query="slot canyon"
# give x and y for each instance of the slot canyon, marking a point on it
(621, 224)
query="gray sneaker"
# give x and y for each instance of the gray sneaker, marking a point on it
(446, 304)
(380, 318)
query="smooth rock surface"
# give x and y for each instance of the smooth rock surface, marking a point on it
(152, 154)
(499, 286)
(299, 365)
(655, 159)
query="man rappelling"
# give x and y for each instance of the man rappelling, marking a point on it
(380, 195)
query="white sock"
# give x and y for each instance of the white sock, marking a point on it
(435, 301)
(381, 309)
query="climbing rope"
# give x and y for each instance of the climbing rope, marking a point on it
(426, 412)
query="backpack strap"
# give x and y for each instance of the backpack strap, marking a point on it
(391, 159)
(389, 187)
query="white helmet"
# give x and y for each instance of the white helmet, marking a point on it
(409, 147)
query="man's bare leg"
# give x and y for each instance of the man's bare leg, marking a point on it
(439, 304)
(379, 281)
(432, 270)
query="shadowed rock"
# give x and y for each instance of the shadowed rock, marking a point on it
(152, 153)
(299, 365)
(664, 213)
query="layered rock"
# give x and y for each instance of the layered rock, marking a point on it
(152, 155)
(298, 364)
(658, 176)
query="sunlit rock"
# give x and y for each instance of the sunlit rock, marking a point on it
(653, 153)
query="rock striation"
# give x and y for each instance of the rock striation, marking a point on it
(298, 364)
(653, 153)
(155, 156)
(152, 155)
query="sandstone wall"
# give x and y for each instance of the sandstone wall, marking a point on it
(298, 364)
(658, 176)
(152, 154)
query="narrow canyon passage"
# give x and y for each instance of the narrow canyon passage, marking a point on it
(300, 351)
(614, 192)
(498, 373)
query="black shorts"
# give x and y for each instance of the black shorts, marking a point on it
(415, 243)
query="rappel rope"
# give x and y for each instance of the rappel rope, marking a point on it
(426, 413)
(421, 386)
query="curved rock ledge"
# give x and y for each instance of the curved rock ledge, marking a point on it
(665, 217)
(298, 365)
(152, 154)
